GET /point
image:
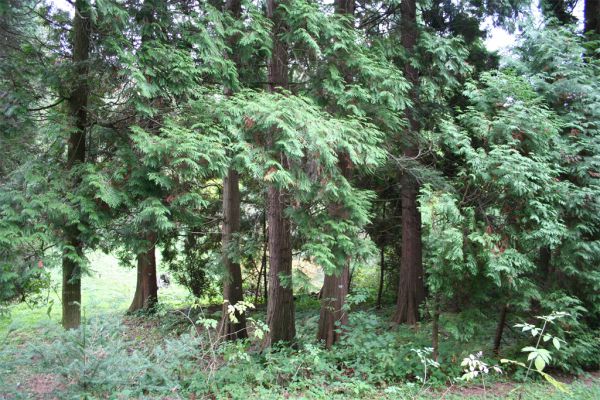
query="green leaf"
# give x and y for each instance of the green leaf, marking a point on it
(556, 343)
(539, 364)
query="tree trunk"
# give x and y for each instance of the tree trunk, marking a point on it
(71, 260)
(333, 315)
(280, 306)
(500, 329)
(435, 328)
(335, 288)
(146, 290)
(262, 274)
(71, 280)
(411, 289)
(592, 16)
(381, 276)
(232, 284)
(544, 259)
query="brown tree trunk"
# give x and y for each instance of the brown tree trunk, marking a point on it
(262, 274)
(411, 289)
(381, 275)
(435, 328)
(71, 260)
(544, 259)
(333, 315)
(232, 284)
(146, 290)
(591, 16)
(336, 286)
(280, 306)
(500, 329)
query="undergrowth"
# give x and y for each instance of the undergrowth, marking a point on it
(174, 355)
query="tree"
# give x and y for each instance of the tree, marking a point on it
(280, 306)
(334, 314)
(592, 16)
(78, 100)
(411, 289)
(146, 290)
(232, 282)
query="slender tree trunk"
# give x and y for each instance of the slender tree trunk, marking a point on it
(71, 261)
(411, 289)
(262, 274)
(500, 329)
(71, 280)
(592, 16)
(336, 286)
(280, 306)
(257, 286)
(381, 275)
(435, 328)
(232, 285)
(544, 263)
(146, 289)
(334, 314)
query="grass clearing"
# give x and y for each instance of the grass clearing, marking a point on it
(107, 289)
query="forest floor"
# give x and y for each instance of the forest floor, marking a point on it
(30, 335)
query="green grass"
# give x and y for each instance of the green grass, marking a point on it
(107, 289)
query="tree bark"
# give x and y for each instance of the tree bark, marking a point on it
(381, 275)
(71, 260)
(335, 288)
(280, 306)
(146, 290)
(411, 289)
(592, 16)
(333, 315)
(232, 284)
(435, 328)
(500, 329)
(262, 274)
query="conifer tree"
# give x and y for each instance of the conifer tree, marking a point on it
(334, 315)
(411, 288)
(78, 100)
(280, 306)
(232, 282)
(146, 290)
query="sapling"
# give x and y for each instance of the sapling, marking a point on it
(537, 356)
(475, 367)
